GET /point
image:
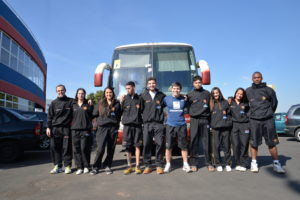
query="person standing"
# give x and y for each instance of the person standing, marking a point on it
(221, 126)
(198, 107)
(132, 131)
(81, 130)
(59, 121)
(153, 130)
(240, 132)
(263, 103)
(176, 127)
(108, 113)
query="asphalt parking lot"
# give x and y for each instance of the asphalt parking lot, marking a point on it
(29, 179)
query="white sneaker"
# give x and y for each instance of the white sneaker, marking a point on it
(254, 167)
(68, 170)
(238, 168)
(186, 168)
(86, 170)
(79, 171)
(56, 170)
(243, 169)
(277, 168)
(167, 168)
(219, 168)
(108, 171)
(228, 168)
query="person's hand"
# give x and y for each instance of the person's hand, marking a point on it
(90, 102)
(48, 132)
(185, 97)
(122, 98)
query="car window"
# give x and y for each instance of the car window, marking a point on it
(297, 112)
(277, 117)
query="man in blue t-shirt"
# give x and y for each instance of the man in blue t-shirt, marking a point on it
(176, 127)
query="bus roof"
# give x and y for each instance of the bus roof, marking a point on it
(152, 44)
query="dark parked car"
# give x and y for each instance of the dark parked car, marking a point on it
(292, 121)
(17, 134)
(280, 122)
(40, 116)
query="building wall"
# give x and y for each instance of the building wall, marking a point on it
(23, 69)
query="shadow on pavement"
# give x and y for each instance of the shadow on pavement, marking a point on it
(29, 158)
(267, 160)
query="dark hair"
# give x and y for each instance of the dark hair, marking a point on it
(212, 99)
(151, 79)
(61, 85)
(197, 78)
(257, 72)
(131, 83)
(244, 99)
(104, 108)
(176, 84)
(76, 98)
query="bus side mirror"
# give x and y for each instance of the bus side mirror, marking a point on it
(98, 77)
(205, 72)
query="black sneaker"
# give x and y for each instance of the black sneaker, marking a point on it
(94, 172)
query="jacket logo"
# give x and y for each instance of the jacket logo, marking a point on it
(263, 98)
(147, 101)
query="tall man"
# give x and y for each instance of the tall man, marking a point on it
(198, 104)
(263, 103)
(59, 121)
(153, 118)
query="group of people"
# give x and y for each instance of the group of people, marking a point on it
(244, 120)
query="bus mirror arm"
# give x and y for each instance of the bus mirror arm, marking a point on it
(98, 77)
(205, 72)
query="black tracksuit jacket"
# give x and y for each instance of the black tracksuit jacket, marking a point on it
(239, 112)
(198, 103)
(217, 114)
(132, 110)
(60, 112)
(110, 117)
(82, 116)
(263, 101)
(153, 110)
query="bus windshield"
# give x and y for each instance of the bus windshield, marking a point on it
(166, 63)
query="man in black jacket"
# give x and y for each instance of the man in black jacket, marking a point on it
(153, 118)
(132, 131)
(263, 103)
(198, 105)
(59, 121)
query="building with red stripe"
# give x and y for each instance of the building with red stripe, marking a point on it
(23, 68)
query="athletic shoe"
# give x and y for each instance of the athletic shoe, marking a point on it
(128, 171)
(277, 168)
(56, 170)
(68, 170)
(138, 170)
(228, 168)
(238, 168)
(108, 171)
(211, 168)
(79, 171)
(86, 170)
(147, 170)
(254, 167)
(167, 168)
(186, 168)
(219, 168)
(194, 169)
(159, 170)
(242, 169)
(94, 172)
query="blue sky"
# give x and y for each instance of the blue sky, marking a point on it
(236, 38)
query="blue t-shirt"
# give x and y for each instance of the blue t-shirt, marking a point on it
(175, 108)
